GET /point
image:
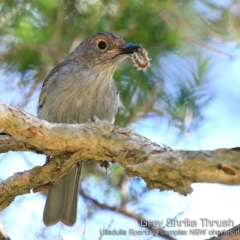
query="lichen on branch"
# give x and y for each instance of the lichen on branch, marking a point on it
(160, 166)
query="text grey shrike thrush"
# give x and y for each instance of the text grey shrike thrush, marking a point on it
(75, 90)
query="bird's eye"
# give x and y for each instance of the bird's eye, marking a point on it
(102, 45)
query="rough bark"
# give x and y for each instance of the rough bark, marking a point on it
(160, 166)
(230, 234)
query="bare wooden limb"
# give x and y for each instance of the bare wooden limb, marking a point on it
(230, 234)
(160, 166)
(3, 235)
(156, 231)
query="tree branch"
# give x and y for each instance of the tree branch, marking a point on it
(230, 234)
(123, 210)
(160, 166)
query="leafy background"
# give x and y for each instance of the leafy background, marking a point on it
(188, 98)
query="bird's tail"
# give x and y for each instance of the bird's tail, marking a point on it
(61, 204)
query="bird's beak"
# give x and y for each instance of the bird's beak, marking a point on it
(129, 48)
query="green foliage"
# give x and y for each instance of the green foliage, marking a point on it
(37, 35)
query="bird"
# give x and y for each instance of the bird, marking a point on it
(77, 89)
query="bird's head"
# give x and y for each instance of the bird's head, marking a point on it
(104, 51)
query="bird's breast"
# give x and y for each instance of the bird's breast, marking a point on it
(75, 101)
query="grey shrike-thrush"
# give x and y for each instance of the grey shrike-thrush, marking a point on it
(75, 90)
